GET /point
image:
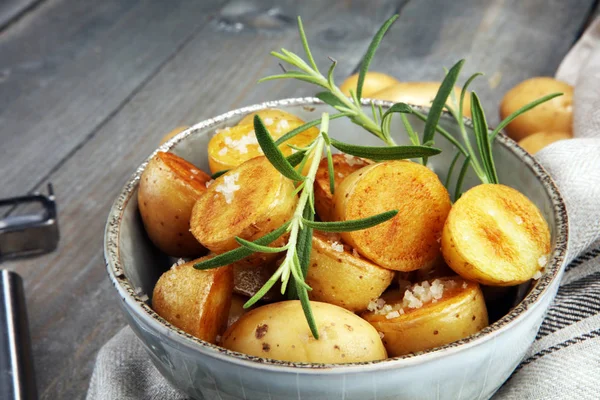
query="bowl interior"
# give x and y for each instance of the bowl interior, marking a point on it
(141, 264)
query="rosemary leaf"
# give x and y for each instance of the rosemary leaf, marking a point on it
(385, 153)
(305, 45)
(330, 73)
(329, 98)
(293, 75)
(266, 287)
(218, 174)
(480, 127)
(303, 249)
(351, 225)
(330, 170)
(366, 61)
(272, 152)
(257, 248)
(463, 92)
(305, 302)
(296, 158)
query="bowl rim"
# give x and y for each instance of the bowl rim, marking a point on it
(136, 304)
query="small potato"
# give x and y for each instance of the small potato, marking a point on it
(420, 94)
(429, 315)
(343, 165)
(279, 331)
(249, 201)
(537, 141)
(169, 188)
(236, 310)
(408, 241)
(496, 236)
(341, 278)
(196, 302)
(172, 134)
(248, 279)
(231, 147)
(555, 115)
(373, 83)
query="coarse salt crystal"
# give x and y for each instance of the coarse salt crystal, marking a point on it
(228, 187)
(393, 314)
(336, 246)
(352, 161)
(208, 183)
(542, 261)
(144, 297)
(537, 275)
(138, 290)
(518, 220)
(268, 121)
(380, 303)
(223, 151)
(464, 285)
(355, 253)
(194, 171)
(241, 145)
(411, 300)
(218, 338)
(177, 263)
(437, 289)
(381, 335)
(283, 124)
(340, 175)
(294, 151)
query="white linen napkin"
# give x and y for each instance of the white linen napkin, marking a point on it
(563, 363)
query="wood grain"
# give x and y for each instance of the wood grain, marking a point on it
(12, 10)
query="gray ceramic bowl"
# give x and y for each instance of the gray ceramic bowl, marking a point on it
(473, 368)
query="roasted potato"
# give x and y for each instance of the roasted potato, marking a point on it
(168, 190)
(248, 279)
(280, 331)
(428, 315)
(343, 165)
(172, 134)
(373, 83)
(232, 146)
(196, 302)
(249, 201)
(337, 276)
(496, 236)
(537, 141)
(410, 240)
(420, 94)
(236, 310)
(554, 115)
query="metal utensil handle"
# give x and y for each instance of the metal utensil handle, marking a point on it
(17, 379)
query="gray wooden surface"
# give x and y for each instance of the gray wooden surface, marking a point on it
(88, 88)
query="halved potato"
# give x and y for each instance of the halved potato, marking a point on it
(343, 165)
(280, 331)
(236, 310)
(496, 236)
(169, 188)
(248, 279)
(408, 241)
(196, 302)
(420, 94)
(232, 146)
(339, 277)
(373, 83)
(537, 141)
(249, 201)
(428, 315)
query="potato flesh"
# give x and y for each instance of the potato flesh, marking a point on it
(168, 190)
(242, 139)
(460, 312)
(343, 279)
(279, 331)
(343, 165)
(249, 279)
(196, 302)
(263, 202)
(496, 236)
(236, 310)
(409, 241)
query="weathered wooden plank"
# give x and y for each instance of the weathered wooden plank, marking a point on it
(71, 303)
(10, 10)
(508, 40)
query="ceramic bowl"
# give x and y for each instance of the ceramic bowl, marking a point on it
(473, 368)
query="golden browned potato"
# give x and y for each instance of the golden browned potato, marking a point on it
(236, 310)
(248, 279)
(337, 276)
(428, 315)
(420, 94)
(172, 134)
(373, 83)
(408, 241)
(196, 302)
(343, 165)
(555, 115)
(169, 188)
(232, 146)
(249, 201)
(280, 331)
(496, 236)
(537, 141)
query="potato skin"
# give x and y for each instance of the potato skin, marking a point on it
(279, 331)
(264, 201)
(168, 190)
(421, 94)
(196, 302)
(373, 83)
(461, 312)
(343, 165)
(537, 141)
(236, 310)
(408, 241)
(496, 236)
(554, 115)
(248, 279)
(343, 279)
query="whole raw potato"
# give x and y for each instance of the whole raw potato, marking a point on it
(554, 115)
(169, 188)
(279, 331)
(374, 82)
(537, 141)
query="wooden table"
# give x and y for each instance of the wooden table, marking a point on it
(87, 89)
